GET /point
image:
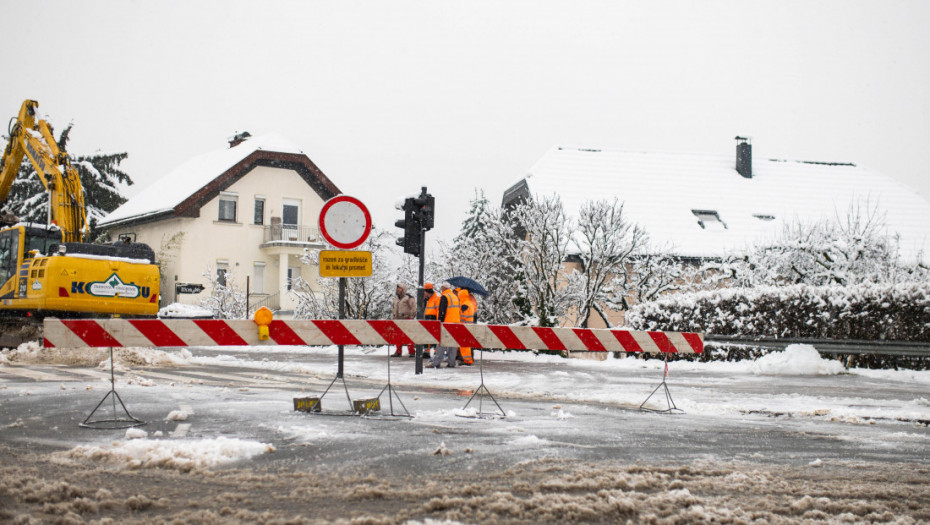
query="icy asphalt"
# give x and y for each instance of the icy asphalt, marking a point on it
(549, 408)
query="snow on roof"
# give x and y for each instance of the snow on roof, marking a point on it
(673, 194)
(172, 189)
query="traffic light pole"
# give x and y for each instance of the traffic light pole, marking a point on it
(419, 215)
(421, 304)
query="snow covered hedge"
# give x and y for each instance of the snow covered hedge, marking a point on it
(899, 312)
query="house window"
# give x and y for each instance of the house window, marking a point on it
(258, 277)
(290, 215)
(228, 203)
(709, 218)
(290, 219)
(222, 269)
(259, 210)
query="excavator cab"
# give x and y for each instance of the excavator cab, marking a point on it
(9, 254)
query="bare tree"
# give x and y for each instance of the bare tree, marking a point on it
(607, 244)
(541, 254)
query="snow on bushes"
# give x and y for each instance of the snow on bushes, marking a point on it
(868, 311)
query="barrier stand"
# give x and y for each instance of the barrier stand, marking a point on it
(116, 422)
(668, 395)
(313, 405)
(481, 391)
(391, 395)
(318, 409)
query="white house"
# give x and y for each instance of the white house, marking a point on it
(701, 205)
(248, 211)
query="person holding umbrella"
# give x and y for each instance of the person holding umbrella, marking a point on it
(448, 313)
(469, 306)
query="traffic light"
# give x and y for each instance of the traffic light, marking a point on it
(411, 225)
(426, 206)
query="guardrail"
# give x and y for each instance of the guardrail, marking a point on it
(828, 346)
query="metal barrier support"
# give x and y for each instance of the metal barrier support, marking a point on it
(668, 395)
(481, 391)
(117, 421)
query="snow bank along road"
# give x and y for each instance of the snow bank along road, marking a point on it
(790, 437)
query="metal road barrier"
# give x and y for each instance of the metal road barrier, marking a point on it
(65, 333)
(829, 346)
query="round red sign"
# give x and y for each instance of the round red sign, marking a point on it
(345, 222)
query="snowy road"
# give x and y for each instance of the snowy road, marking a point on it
(216, 409)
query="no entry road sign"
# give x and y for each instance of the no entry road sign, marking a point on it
(345, 222)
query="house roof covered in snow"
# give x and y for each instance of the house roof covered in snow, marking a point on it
(700, 206)
(182, 192)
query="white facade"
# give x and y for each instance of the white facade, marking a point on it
(251, 220)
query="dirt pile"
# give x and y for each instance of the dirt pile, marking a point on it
(34, 488)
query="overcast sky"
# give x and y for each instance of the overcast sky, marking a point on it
(386, 97)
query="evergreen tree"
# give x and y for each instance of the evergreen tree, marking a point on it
(101, 178)
(483, 251)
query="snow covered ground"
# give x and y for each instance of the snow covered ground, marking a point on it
(222, 418)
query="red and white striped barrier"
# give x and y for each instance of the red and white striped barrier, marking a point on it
(65, 333)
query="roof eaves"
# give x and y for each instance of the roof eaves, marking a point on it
(190, 207)
(141, 218)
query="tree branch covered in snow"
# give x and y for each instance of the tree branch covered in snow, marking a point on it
(848, 250)
(226, 300)
(366, 298)
(541, 252)
(607, 244)
(483, 251)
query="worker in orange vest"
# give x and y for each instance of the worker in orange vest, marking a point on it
(469, 306)
(430, 311)
(448, 313)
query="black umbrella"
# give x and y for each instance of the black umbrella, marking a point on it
(469, 284)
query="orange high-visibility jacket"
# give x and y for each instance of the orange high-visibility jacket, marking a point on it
(468, 314)
(431, 311)
(452, 313)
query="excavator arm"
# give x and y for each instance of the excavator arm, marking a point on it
(66, 195)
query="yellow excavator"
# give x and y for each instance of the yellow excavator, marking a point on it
(49, 269)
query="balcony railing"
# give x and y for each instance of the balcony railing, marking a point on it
(291, 233)
(272, 302)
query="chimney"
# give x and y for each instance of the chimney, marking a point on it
(239, 138)
(744, 157)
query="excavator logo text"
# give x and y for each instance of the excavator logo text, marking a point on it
(113, 286)
(38, 158)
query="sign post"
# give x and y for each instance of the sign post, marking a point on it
(191, 288)
(345, 223)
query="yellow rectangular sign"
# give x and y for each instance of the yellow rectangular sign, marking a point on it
(344, 263)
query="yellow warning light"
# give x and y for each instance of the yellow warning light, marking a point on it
(263, 318)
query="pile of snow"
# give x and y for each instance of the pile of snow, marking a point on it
(136, 356)
(182, 455)
(31, 352)
(796, 360)
(184, 311)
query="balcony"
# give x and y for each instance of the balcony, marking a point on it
(290, 235)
